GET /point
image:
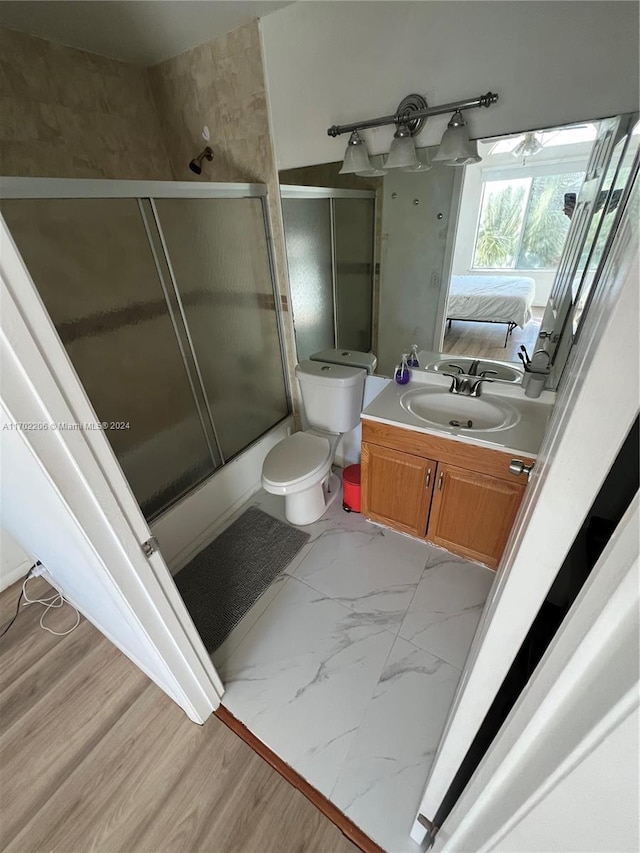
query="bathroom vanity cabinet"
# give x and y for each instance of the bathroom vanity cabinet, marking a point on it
(459, 496)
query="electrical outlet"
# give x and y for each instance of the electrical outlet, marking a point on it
(435, 279)
(38, 570)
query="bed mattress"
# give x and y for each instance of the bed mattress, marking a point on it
(501, 299)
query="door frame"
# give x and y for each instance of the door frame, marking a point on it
(39, 383)
(581, 443)
(551, 730)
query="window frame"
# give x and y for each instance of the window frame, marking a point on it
(518, 172)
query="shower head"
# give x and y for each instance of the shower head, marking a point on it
(196, 164)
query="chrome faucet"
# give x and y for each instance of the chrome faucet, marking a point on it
(476, 386)
(464, 384)
(473, 369)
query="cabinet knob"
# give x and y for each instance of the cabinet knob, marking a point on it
(517, 466)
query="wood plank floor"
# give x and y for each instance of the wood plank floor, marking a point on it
(94, 757)
(486, 340)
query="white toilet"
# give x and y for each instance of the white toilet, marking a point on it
(299, 467)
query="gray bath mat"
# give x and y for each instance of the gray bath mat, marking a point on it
(223, 581)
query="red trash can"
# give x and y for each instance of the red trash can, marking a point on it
(351, 488)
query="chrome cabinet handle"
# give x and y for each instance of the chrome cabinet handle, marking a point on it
(440, 479)
(544, 334)
(517, 466)
(428, 479)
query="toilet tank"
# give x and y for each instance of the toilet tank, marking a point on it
(332, 395)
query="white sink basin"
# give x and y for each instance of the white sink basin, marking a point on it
(442, 409)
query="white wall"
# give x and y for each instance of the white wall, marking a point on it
(35, 514)
(337, 62)
(14, 561)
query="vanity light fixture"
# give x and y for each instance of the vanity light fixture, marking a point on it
(409, 119)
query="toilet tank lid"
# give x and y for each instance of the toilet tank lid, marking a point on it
(330, 374)
(349, 357)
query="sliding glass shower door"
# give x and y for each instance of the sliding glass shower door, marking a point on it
(220, 261)
(167, 311)
(329, 236)
(354, 226)
(307, 228)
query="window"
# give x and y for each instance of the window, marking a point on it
(522, 224)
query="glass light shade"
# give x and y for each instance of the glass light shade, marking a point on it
(402, 153)
(356, 158)
(373, 173)
(471, 157)
(423, 162)
(454, 145)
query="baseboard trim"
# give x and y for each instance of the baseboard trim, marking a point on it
(16, 574)
(333, 813)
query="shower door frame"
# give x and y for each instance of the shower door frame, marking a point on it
(300, 191)
(147, 191)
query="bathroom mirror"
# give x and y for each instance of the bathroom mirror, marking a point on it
(459, 251)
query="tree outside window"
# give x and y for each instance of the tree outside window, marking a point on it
(522, 225)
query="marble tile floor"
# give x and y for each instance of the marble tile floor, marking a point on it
(347, 665)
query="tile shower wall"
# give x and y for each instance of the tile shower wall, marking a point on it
(66, 113)
(221, 84)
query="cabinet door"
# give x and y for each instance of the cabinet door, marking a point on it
(396, 488)
(472, 514)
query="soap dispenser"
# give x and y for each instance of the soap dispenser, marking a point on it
(413, 356)
(402, 374)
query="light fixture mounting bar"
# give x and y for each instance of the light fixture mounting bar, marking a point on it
(412, 115)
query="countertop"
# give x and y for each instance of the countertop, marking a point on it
(523, 437)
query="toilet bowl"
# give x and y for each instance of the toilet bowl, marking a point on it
(299, 467)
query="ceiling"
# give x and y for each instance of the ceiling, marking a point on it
(140, 31)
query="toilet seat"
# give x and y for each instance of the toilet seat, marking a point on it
(296, 460)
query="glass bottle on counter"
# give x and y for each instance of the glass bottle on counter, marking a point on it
(413, 356)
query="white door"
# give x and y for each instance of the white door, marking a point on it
(596, 406)
(570, 743)
(67, 502)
